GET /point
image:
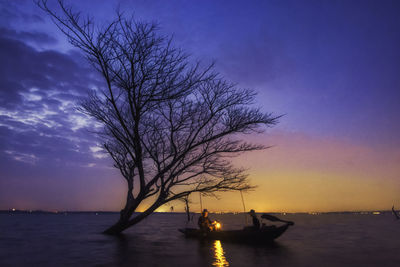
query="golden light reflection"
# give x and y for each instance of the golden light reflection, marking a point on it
(219, 256)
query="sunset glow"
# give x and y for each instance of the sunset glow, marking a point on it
(331, 69)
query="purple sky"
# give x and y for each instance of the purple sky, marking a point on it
(333, 67)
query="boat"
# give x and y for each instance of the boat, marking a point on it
(265, 235)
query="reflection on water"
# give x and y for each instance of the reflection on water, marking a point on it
(219, 257)
(76, 240)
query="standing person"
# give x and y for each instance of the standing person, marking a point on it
(204, 222)
(256, 222)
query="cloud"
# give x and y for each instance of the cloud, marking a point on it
(16, 11)
(38, 94)
(38, 38)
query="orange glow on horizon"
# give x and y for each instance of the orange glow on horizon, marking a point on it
(299, 174)
(304, 174)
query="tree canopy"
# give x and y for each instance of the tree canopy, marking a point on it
(171, 126)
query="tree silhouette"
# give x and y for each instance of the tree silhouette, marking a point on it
(171, 127)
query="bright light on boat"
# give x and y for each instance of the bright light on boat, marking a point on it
(217, 225)
(376, 213)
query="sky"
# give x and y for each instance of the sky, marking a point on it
(332, 68)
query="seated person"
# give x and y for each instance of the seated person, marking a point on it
(204, 222)
(256, 222)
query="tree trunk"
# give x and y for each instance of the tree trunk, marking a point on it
(125, 214)
(117, 228)
(125, 222)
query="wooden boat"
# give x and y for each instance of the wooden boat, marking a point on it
(263, 236)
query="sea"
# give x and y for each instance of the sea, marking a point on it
(75, 239)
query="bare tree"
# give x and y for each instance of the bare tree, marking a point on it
(170, 127)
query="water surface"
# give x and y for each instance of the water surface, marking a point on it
(316, 240)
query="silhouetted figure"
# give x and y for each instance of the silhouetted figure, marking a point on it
(256, 222)
(204, 222)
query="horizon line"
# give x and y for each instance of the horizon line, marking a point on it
(183, 212)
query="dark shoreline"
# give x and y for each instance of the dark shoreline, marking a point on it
(15, 211)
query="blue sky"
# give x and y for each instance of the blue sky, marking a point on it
(331, 66)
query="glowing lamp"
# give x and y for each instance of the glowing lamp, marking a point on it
(217, 225)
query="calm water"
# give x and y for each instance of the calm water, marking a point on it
(315, 240)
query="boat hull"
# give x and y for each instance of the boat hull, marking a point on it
(263, 236)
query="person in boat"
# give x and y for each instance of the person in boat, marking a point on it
(256, 222)
(204, 222)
